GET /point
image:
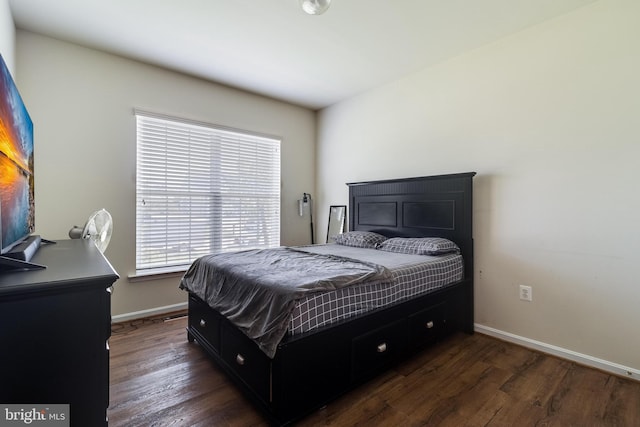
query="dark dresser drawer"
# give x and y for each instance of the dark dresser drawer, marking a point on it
(205, 321)
(247, 361)
(377, 348)
(427, 325)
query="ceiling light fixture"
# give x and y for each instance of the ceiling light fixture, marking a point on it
(315, 7)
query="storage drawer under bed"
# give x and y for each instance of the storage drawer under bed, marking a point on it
(247, 361)
(375, 349)
(205, 321)
(428, 325)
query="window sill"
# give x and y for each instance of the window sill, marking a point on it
(157, 273)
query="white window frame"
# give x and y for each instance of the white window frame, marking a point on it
(201, 189)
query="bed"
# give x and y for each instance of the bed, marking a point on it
(310, 362)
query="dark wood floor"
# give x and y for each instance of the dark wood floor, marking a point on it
(159, 379)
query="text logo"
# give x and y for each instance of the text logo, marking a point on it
(34, 415)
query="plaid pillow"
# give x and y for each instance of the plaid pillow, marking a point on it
(360, 239)
(419, 245)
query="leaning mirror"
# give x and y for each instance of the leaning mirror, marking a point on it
(337, 220)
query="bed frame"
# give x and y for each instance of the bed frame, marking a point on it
(311, 369)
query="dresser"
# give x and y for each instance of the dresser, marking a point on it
(54, 329)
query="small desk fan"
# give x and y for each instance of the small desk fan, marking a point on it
(98, 228)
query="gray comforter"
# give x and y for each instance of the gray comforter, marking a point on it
(257, 289)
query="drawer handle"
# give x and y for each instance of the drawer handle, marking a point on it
(382, 347)
(429, 324)
(240, 359)
(203, 323)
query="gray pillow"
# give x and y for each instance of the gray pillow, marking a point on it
(360, 239)
(419, 245)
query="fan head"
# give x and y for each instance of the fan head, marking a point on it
(98, 228)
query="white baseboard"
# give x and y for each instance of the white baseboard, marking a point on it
(148, 313)
(582, 359)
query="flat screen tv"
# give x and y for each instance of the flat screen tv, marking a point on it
(16, 165)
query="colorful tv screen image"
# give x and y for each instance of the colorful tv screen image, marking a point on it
(16, 164)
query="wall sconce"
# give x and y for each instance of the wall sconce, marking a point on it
(307, 202)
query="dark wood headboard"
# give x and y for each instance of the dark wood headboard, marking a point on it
(430, 206)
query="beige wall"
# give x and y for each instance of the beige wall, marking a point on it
(549, 118)
(7, 36)
(81, 102)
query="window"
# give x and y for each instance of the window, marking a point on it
(202, 189)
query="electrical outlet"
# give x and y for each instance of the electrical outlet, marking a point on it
(526, 294)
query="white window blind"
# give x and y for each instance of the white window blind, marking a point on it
(202, 189)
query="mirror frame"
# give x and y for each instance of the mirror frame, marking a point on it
(342, 222)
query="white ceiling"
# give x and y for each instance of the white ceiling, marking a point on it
(272, 48)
